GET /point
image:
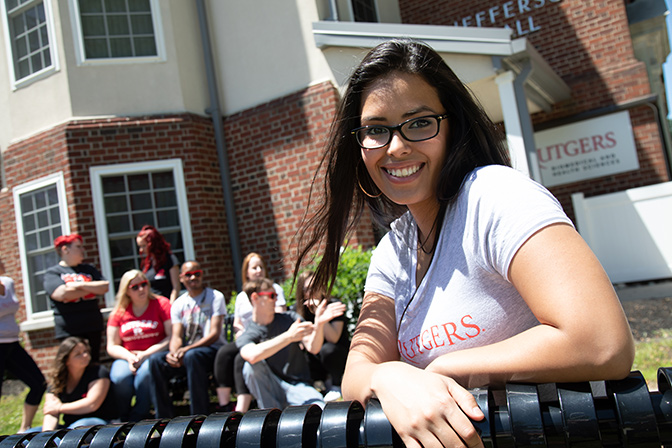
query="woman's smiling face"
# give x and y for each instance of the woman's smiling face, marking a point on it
(406, 172)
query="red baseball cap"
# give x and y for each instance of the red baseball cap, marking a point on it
(66, 239)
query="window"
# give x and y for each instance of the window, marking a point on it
(28, 37)
(364, 11)
(117, 29)
(41, 216)
(126, 197)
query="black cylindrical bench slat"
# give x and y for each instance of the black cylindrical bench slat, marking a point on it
(219, 430)
(145, 434)
(181, 432)
(110, 436)
(525, 412)
(637, 420)
(75, 438)
(257, 429)
(45, 439)
(580, 423)
(298, 426)
(339, 427)
(376, 430)
(484, 427)
(15, 440)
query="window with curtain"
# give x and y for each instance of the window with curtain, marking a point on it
(117, 28)
(29, 37)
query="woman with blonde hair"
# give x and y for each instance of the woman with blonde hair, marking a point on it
(138, 327)
(78, 389)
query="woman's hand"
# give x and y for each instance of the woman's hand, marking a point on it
(52, 405)
(326, 312)
(426, 409)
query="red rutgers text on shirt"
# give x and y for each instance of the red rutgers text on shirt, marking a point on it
(437, 336)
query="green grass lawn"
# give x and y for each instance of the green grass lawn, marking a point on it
(651, 353)
(11, 409)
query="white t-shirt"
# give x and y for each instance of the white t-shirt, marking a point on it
(196, 313)
(465, 299)
(243, 309)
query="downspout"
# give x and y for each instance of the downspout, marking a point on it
(333, 9)
(215, 112)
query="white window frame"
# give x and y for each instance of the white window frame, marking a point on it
(43, 319)
(80, 52)
(98, 172)
(46, 71)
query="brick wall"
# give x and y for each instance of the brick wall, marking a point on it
(588, 44)
(274, 150)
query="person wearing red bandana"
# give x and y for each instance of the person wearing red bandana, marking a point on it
(74, 288)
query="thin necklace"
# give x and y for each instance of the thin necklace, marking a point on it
(421, 244)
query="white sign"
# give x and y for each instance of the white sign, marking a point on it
(586, 150)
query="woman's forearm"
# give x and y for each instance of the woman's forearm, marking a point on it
(539, 355)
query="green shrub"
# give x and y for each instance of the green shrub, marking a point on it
(349, 284)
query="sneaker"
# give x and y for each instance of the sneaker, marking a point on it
(333, 394)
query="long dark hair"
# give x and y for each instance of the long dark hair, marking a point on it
(473, 141)
(59, 373)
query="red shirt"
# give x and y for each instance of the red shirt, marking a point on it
(141, 332)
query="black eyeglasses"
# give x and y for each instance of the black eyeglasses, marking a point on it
(137, 286)
(414, 130)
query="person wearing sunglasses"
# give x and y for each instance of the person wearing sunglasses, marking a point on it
(138, 327)
(273, 346)
(74, 287)
(481, 279)
(197, 317)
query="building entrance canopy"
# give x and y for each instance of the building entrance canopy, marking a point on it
(508, 76)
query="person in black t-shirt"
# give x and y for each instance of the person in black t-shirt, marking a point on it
(74, 288)
(160, 265)
(78, 389)
(276, 369)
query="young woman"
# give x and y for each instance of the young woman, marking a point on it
(228, 363)
(482, 279)
(13, 357)
(328, 365)
(160, 265)
(138, 327)
(78, 389)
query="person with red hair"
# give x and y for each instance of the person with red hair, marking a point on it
(160, 265)
(74, 288)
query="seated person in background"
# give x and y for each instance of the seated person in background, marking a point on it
(276, 369)
(197, 317)
(228, 363)
(74, 288)
(328, 365)
(138, 327)
(78, 389)
(160, 265)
